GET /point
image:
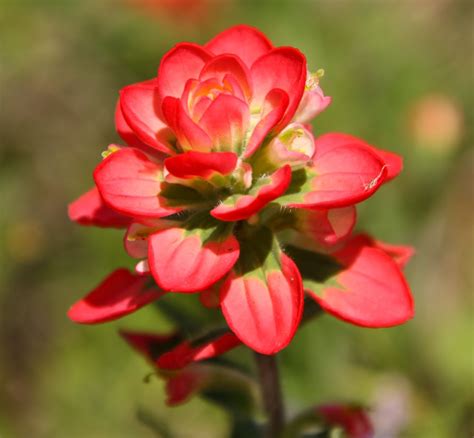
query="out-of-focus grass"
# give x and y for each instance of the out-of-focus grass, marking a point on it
(62, 64)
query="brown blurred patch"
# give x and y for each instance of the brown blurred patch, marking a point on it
(436, 123)
(191, 12)
(24, 241)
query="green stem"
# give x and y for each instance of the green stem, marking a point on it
(271, 394)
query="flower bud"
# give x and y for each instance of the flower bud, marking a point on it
(293, 146)
(314, 101)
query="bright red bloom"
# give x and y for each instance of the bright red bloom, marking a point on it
(226, 191)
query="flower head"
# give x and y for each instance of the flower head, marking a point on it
(225, 191)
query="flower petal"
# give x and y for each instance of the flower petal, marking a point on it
(244, 41)
(185, 61)
(401, 254)
(367, 289)
(151, 345)
(339, 177)
(201, 164)
(274, 108)
(125, 132)
(186, 352)
(183, 385)
(136, 237)
(226, 121)
(393, 162)
(312, 103)
(90, 209)
(263, 304)
(241, 207)
(138, 103)
(210, 297)
(325, 227)
(190, 135)
(191, 260)
(283, 68)
(129, 182)
(353, 419)
(118, 295)
(220, 67)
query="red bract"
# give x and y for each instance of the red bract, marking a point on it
(118, 295)
(226, 191)
(262, 303)
(90, 209)
(180, 362)
(352, 419)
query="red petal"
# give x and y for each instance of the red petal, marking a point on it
(264, 314)
(151, 346)
(210, 297)
(129, 182)
(189, 134)
(89, 209)
(185, 61)
(185, 353)
(274, 108)
(222, 66)
(136, 237)
(244, 41)
(283, 68)
(226, 122)
(312, 103)
(245, 206)
(371, 291)
(182, 262)
(342, 176)
(326, 227)
(332, 140)
(353, 420)
(401, 254)
(180, 387)
(125, 132)
(201, 164)
(118, 295)
(140, 110)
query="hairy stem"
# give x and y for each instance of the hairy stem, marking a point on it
(271, 394)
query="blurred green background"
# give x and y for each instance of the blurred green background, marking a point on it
(400, 73)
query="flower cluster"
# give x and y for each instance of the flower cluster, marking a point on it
(225, 191)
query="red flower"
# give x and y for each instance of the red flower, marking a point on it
(180, 363)
(220, 172)
(352, 419)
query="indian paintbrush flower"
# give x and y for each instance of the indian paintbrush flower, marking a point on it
(225, 191)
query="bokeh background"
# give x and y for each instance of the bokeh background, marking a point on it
(401, 76)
